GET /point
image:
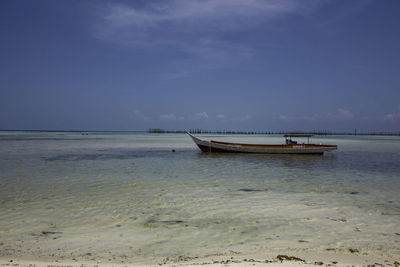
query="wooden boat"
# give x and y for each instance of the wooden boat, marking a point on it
(290, 146)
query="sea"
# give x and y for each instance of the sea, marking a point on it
(135, 197)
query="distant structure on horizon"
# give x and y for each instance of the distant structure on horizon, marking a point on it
(325, 132)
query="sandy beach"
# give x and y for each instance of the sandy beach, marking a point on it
(238, 260)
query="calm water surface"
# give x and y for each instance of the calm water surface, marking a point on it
(126, 197)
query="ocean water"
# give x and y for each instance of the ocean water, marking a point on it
(126, 197)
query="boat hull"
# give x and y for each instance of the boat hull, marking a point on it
(223, 147)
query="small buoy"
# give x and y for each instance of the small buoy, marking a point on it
(173, 150)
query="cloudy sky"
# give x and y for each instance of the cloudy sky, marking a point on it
(266, 65)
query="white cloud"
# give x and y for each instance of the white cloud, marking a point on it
(395, 116)
(139, 115)
(220, 116)
(244, 117)
(189, 16)
(201, 115)
(168, 117)
(340, 115)
(196, 27)
(352, 8)
(283, 117)
(175, 75)
(171, 117)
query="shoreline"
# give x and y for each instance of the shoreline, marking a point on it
(226, 259)
(196, 131)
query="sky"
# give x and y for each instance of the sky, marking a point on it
(248, 65)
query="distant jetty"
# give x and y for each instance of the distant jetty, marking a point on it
(231, 132)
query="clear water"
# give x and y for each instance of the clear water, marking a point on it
(126, 197)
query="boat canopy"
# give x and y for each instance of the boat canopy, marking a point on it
(288, 137)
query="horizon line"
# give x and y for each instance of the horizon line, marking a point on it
(202, 131)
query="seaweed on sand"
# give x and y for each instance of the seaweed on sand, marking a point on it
(289, 258)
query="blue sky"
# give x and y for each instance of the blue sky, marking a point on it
(213, 64)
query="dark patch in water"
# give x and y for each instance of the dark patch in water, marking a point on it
(354, 193)
(50, 233)
(172, 222)
(155, 223)
(337, 220)
(109, 155)
(252, 190)
(100, 156)
(46, 233)
(354, 250)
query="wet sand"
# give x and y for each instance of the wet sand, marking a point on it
(228, 259)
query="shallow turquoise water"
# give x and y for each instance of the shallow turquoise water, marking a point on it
(128, 197)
